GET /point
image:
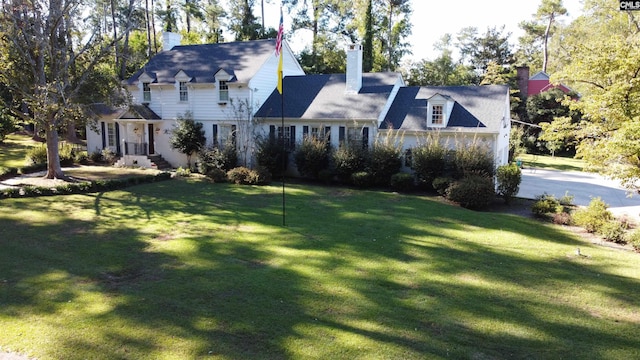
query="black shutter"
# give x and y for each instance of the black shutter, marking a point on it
(292, 142)
(104, 134)
(305, 132)
(341, 135)
(365, 137)
(272, 132)
(327, 133)
(117, 126)
(215, 135)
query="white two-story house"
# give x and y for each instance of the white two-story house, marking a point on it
(221, 85)
(231, 89)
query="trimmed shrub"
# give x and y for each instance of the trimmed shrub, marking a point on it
(108, 156)
(402, 181)
(217, 175)
(385, 159)
(546, 204)
(361, 179)
(311, 157)
(239, 175)
(594, 216)
(349, 160)
(474, 191)
(37, 155)
(472, 158)
(245, 176)
(613, 231)
(67, 154)
(260, 176)
(561, 218)
(33, 168)
(96, 156)
(270, 155)
(509, 178)
(429, 162)
(441, 184)
(183, 172)
(6, 173)
(633, 238)
(81, 157)
(212, 157)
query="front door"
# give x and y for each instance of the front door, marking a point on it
(152, 149)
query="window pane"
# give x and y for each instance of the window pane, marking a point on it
(111, 134)
(184, 92)
(146, 92)
(224, 91)
(436, 115)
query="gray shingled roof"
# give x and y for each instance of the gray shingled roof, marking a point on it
(134, 112)
(241, 60)
(323, 97)
(475, 107)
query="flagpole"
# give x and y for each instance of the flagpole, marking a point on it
(280, 87)
(284, 155)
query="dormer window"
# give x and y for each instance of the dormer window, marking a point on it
(438, 110)
(184, 91)
(437, 115)
(146, 92)
(223, 91)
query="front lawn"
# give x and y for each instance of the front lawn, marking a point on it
(13, 150)
(188, 269)
(552, 162)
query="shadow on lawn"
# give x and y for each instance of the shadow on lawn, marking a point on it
(352, 275)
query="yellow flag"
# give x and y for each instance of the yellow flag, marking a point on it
(279, 52)
(280, 74)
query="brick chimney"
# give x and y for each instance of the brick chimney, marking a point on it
(523, 81)
(354, 68)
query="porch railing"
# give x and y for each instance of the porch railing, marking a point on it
(134, 148)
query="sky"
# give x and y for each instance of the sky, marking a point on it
(432, 19)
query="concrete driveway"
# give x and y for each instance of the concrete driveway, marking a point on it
(583, 186)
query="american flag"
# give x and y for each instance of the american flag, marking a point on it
(279, 37)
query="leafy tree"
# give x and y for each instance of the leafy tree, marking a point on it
(242, 22)
(168, 16)
(606, 43)
(214, 15)
(188, 136)
(329, 23)
(547, 12)
(7, 123)
(544, 108)
(481, 50)
(47, 62)
(559, 134)
(442, 71)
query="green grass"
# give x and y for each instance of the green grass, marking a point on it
(188, 269)
(13, 150)
(552, 162)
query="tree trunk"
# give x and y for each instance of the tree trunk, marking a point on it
(545, 49)
(71, 135)
(146, 13)
(153, 28)
(54, 171)
(115, 31)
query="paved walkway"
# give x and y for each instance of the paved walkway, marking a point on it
(582, 186)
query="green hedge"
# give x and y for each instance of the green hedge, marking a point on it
(82, 187)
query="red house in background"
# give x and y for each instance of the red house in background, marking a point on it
(537, 83)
